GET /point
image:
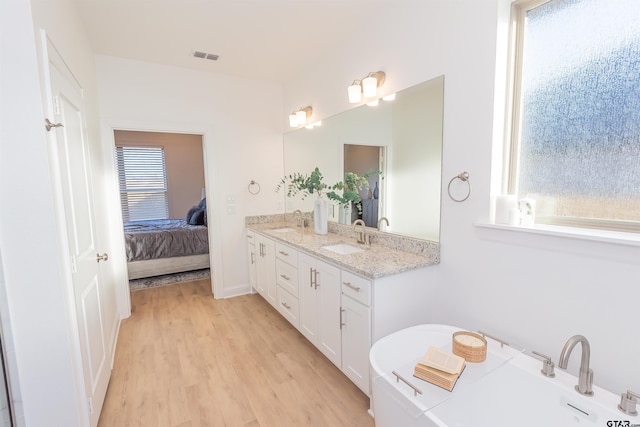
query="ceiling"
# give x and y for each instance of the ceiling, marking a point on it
(271, 40)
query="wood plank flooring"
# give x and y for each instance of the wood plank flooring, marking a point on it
(184, 359)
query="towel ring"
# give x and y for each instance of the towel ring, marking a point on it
(254, 187)
(464, 177)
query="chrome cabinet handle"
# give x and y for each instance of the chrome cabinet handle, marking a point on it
(285, 277)
(349, 285)
(285, 305)
(103, 257)
(253, 258)
(315, 273)
(342, 310)
(284, 253)
(311, 278)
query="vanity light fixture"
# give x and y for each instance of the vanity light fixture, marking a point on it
(313, 125)
(373, 103)
(299, 117)
(355, 92)
(367, 87)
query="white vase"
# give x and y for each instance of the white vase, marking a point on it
(320, 216)
(345, 214)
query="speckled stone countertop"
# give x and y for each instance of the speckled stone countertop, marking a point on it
(374, 262)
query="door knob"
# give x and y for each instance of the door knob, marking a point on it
(103, 257)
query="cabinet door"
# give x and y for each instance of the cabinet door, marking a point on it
(266, 269)
(328, 294)
(307, 298)
(251, 254)
(356, 342)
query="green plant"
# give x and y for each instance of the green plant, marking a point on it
(304, 185)
(350, 188)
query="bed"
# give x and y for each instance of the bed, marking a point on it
(166, 246)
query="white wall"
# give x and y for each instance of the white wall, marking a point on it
(530, 289)
(30, 247)
(38, 286)
(240, 121)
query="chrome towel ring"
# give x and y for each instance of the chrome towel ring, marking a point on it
(254, 187)
(464, 177)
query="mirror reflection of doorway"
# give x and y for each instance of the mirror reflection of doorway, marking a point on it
(361, 159)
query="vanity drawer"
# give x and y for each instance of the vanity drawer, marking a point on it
(288, 306)
(356, 287)
(287, 276)
(286, 253)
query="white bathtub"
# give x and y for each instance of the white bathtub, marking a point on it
(505, 390)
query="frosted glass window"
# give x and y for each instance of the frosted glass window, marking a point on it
(579, 122)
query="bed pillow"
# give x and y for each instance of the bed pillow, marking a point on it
(190, 214)
(198, 217)
(203, 204)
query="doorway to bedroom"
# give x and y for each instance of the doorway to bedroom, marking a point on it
(163, 198)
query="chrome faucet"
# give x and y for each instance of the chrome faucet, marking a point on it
(300, 220)
(585, 375)
(383, 219)
(362, 236)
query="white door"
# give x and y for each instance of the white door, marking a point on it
(72, 154)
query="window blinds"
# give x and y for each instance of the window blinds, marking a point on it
(143, 183)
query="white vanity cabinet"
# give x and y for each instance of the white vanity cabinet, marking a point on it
(320, 306)
(287, 283)
(251, 255)
(338, 311)
(266, 268)
(356, 329)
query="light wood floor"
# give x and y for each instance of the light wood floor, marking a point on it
(185, 359)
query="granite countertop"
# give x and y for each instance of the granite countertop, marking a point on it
(374, 262)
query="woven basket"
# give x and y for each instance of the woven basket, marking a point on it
(469, 345)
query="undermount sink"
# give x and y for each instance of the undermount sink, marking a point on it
(343, 249)
(282, 229)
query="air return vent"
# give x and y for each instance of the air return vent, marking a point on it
(204, 55)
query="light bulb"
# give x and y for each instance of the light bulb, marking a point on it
(390, 97)
(301, 116)
(354, 93)
(369, 86)
(373, 103)
(293, 120)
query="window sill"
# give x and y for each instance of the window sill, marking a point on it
(604, 236)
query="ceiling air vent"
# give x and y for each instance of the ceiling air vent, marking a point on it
(204, 55)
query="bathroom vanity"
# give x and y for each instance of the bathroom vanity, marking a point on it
(341, 295)
(506, 389)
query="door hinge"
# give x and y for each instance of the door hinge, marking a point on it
(56, 105)
(90, 406)
(74, 265)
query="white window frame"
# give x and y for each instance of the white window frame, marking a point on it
(163, 213)
(513, 125)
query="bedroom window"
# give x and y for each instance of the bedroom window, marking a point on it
(143, 183)
(575, 111)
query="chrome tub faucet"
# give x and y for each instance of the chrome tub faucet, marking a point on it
(585, 374)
